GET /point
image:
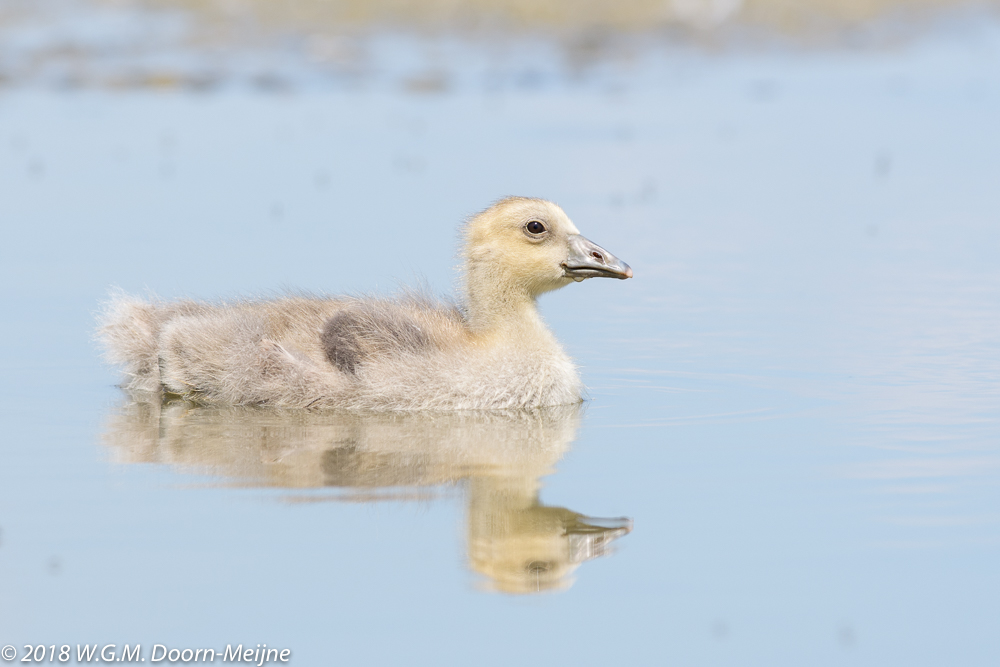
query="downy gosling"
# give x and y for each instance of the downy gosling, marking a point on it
(492, 351)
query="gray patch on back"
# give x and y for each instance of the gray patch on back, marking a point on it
(355, 335)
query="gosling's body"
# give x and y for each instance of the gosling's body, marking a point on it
(410, 353)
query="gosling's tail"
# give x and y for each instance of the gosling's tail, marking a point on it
(129, 330)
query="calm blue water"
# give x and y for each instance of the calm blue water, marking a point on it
(796, 400)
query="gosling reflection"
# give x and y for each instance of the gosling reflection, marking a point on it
(518, 543)
(524, 546)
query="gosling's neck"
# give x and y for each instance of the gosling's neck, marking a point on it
(497, 304)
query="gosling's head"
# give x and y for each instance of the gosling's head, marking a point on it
(532, 244)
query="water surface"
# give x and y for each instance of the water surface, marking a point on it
(793, 405)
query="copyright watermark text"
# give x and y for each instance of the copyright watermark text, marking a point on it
(258, 655)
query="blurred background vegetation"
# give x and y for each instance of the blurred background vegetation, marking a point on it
(193, 43)
(786, 16)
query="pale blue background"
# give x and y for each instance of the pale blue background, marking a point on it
(796, 398)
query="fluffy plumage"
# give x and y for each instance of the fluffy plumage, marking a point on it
(408, 353)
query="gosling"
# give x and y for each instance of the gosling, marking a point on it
(490, 352)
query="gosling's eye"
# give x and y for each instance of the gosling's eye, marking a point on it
(535, 227)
